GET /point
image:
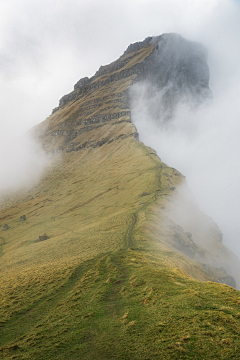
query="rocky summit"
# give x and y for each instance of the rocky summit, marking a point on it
(128, 266)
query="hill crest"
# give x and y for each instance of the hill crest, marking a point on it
(121, 233)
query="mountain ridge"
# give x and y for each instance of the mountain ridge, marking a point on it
(102, 121)
(117, 242)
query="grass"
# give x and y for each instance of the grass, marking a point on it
(126, 305)
(108, 283)
(104, 285)
(84, 217)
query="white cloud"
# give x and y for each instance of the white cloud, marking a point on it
(205, 144)
(22, 163)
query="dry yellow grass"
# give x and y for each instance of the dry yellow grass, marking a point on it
(89, 203)
(85, 204)
(107, 210)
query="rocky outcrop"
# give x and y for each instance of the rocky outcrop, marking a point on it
(221, 275)
(185, 243)
(168, 64)
(55, 109)
(228, 280)
(43, 237)
(176, 66)
(180, 64)
(139, 45)
(6, 227)
(175, 72)
(116, 71)
(81, 83)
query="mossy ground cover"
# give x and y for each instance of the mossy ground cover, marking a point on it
(126, 305)
(103, 285)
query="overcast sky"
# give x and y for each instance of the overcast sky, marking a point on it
(47, 46)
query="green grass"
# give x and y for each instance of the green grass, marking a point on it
(126, 305)
(108, 283)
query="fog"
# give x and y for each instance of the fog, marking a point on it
(22, 164)
(204, 142)
(46, 46)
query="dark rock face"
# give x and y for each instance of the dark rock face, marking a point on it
(187, 246)
(43, 237)
(176, 66)
(145, 193)
(23, 218)
(87, 84)
(138, 45)
(224, 277)
(81, 82)
(175, 72)
(55, 109)
(228, 280)
(6, 227)
(170, 69)
(179, 63)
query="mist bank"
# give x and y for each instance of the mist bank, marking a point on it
(22, 163)
(202, 142)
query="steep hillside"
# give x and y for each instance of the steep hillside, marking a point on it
(114, 259)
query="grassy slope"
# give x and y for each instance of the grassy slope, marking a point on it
(100, 286)
(106, 284)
